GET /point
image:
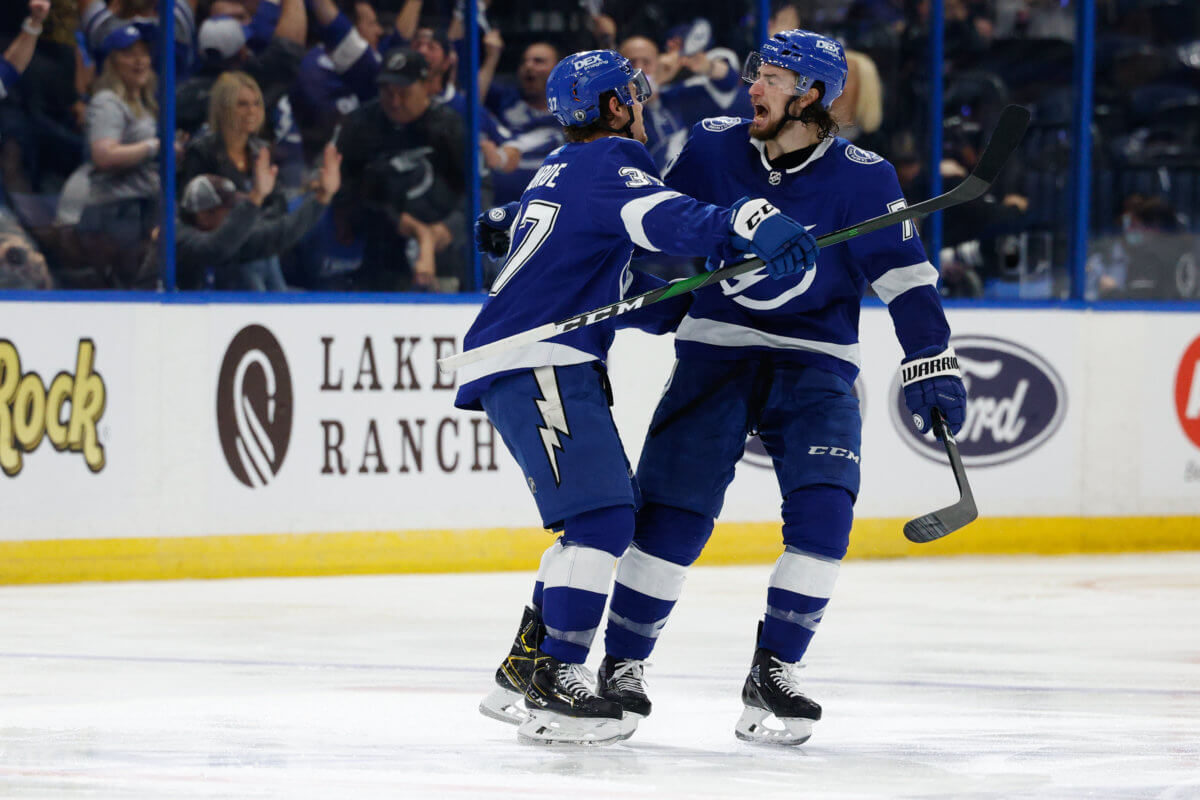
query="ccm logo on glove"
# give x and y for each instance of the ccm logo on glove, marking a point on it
(750, 215)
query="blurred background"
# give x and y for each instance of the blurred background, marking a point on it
(345, 145)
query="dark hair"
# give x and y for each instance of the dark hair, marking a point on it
(598, 127)
(818, 115)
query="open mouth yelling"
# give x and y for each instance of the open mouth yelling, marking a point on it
(760, 114)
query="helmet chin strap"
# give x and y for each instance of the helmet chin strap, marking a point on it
(787, 117)
(626, 130)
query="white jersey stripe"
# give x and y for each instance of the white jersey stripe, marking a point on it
(726, 334)
(539, 354)
(348, 51)
(899, 280)
(634, 211)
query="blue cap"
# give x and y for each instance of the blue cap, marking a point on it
(128, 35)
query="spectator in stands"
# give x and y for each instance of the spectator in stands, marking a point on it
(859, 109)
(227, 241)
(522, 110)
(15, 60)
(268, 47)
(496, 141)
(338, 75)
(665, 131)
(98, 19)
(405, 181)
(231, 144)
(41, 117)
(434, 45)
(695, 82)
(973, 233)
(22, 266)
(121, 201)
(20, 51)
(1152, 258)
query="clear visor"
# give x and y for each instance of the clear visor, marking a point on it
(637, 89)
(773, 76)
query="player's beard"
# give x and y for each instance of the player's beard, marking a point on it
(768, 124)
(765, 124)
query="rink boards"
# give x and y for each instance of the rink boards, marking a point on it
(147, 440)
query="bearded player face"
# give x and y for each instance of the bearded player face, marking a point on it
(770, 93)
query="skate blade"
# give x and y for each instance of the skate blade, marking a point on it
(550, 728)
(504, 705)
(752, 727)
(629, 724)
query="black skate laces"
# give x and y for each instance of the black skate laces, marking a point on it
(786, 676)
(629, 676)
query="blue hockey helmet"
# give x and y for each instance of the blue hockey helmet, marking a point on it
(575, 84)
(811, 56)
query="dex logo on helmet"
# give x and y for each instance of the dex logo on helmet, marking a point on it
(589, 61)
(1016, 401)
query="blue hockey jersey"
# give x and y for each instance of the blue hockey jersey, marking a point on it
(811, 318)
(576, 228)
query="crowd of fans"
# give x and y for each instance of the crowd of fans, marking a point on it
(322, 144)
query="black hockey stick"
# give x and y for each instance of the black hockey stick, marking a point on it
(938, 523)
(1006, 136)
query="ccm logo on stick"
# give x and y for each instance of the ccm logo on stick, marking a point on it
(593, 317)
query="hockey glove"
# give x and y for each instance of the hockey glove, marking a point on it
(781, 242)
(491, 229)
(930, 377)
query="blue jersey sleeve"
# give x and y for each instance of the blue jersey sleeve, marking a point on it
(894, 262)
(262, 26)
(629, 196)
(353, 58)
(8, 77)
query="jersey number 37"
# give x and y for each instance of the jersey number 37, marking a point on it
(531, 232)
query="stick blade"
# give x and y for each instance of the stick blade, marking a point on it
(940, 523)
(1005, 138)
(925, 529)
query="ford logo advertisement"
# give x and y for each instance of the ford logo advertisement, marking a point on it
(1015, 402)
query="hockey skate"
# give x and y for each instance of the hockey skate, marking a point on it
(505, 701)
(771, 688)
(622, 681)
(563, 709)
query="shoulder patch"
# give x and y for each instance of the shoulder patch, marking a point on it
(718, 124)
(860, 156)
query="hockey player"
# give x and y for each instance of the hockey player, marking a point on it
(572, 235)
(778, 358)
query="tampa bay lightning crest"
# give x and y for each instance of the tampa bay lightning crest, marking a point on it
(860, 156)
(718, 124)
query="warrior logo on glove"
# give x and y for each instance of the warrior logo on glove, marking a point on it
(1017, 401)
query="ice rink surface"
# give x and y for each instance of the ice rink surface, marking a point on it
(945, 678)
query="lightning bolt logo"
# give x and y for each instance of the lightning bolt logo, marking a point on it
(551, 409)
